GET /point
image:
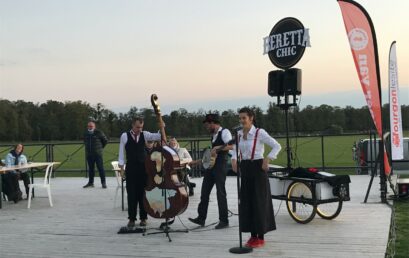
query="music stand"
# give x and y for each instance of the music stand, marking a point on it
(239, 249)
(164, 227)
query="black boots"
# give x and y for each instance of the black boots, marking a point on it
(198, 221)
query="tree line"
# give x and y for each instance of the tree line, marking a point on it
(66, 121)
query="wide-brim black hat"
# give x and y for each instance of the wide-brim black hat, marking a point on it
(212, 118)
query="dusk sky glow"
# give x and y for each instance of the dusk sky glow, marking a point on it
(192, 54)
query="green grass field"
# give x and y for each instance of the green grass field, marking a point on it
(402, 228)
(307, 153)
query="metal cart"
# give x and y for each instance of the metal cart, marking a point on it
(306, 197)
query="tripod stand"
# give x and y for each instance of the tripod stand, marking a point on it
(165, 228)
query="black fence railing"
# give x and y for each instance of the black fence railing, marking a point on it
(349, 153)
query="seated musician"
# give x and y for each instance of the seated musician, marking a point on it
(149, 145)
(185, 158)
(12, 188)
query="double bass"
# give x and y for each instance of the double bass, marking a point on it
(162, 165)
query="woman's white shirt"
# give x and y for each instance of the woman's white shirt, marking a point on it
(246, 145)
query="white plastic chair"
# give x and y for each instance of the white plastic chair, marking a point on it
(45, 184)
(115, 167)
(120, 181)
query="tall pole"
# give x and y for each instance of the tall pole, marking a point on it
(322, 153)
(287, 130)
(382, 171)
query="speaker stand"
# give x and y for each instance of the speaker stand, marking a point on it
(286, 106)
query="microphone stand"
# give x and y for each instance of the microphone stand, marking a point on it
(240, 249)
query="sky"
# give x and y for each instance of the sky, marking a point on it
(192, 54)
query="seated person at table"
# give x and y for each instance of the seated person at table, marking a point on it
(12, 188)
(185, 158)
(16, 157)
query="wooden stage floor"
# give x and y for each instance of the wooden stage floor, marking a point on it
(84, 223)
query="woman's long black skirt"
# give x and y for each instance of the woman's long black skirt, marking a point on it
(256, 206)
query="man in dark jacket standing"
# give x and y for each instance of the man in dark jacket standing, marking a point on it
(95, 141)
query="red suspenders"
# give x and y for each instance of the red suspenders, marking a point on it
(254, 144)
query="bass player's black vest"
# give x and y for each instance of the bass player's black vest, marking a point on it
(135, 151)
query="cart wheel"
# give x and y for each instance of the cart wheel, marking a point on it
(329, 210)
(301, 211)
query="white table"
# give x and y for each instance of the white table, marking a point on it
(30, 165)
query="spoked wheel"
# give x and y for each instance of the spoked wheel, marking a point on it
(300, 203)
(329, 210)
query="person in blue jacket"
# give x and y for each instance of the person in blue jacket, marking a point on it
(14, 158)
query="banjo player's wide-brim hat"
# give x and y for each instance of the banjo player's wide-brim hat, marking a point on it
(209, 118)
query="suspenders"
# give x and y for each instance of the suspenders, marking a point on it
(254, 145)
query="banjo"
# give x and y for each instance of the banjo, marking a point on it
(208, 160)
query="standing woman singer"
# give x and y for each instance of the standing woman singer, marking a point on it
(256, 207)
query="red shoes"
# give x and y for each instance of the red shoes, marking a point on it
(251, 241)
(255, 242)
(258, 243)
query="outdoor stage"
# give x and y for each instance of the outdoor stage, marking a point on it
(84, 223)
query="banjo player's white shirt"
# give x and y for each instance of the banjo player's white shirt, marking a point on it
(246, 146)
(226, 135)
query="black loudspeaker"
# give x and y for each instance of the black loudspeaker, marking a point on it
(292, 81)
(275, 83)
